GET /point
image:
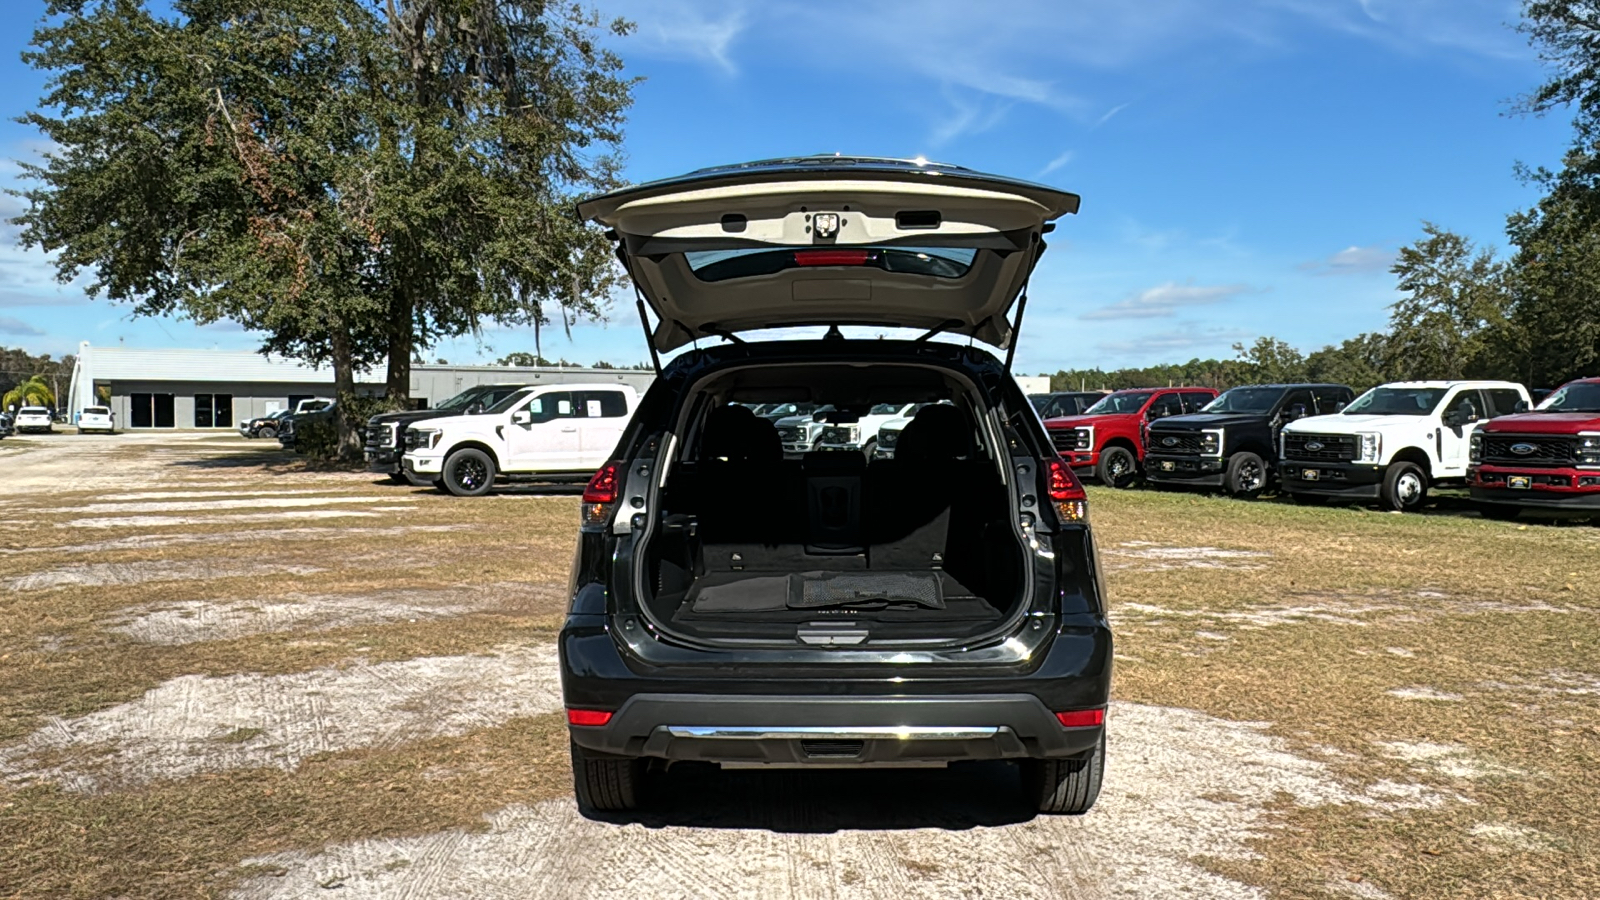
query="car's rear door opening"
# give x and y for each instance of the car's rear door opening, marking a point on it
(829, 547)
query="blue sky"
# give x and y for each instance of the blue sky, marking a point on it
(1247, 167)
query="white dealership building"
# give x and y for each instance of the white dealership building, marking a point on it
(159, 389)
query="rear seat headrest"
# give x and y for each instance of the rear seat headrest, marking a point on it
(937, 432)
(736, 434)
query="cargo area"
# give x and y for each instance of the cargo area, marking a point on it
(831, 547)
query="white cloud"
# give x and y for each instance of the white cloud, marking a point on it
(704, 32)
(1352, 261)
(1112, 112)
(1188, 337)
(1058, 162)
(10, 325)
(1164, 300)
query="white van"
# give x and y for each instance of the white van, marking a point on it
(554, 430)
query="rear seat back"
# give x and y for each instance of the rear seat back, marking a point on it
(834, 487)
(910, 497)
(744, 493)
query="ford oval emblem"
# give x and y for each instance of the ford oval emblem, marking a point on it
(1523, 449)
(1313, 446)
(1169, 442)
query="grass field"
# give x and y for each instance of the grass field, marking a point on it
(200, 697)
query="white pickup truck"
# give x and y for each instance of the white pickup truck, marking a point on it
(1392, 443)
(554, 431)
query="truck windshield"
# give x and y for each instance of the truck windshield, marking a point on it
(464, 399)
(1394, 401)
(1120, 403)
(1581, 397)
(1245, 400)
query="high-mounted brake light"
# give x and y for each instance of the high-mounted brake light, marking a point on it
(1080, 718)
(1066, 492)
(831, 257)
(589, 717)
(600, 497)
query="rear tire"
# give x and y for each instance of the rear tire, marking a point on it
(1117, 467)
(1405, 487)
(1247, 476)
(468, 473)
(605, 783)
(268, 432)
(1067, 786)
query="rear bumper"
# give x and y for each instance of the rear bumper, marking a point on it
(1332, 479)
(810, 730)
(757, 714)
(1200, 471)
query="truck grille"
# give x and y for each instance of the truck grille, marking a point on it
(380, 436)
(789, 434)
(1329, 447)
(887, 438)
(1169, 442)
(1535, 450)
(1065, 439)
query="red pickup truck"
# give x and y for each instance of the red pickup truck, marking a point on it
(1108, 440)
(1545, 459)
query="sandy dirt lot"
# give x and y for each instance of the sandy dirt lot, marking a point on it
(224, 675)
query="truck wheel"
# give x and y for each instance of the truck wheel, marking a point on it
(1117, 467)
(1405, 487)
(1065, 785)
(1247, 476)
(869, 448)
(267, 431)
(468, 473)
(606, 783)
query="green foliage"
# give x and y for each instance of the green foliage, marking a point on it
(34, 391)
(17, 366)
(1456, 298)
(318, 436)
(1272, 361)
(356, 178)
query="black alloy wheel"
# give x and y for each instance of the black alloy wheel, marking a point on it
(1247, 475)
(1117, 467)
(469, 473)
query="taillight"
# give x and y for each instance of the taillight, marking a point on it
(1066, 492)
(831, 257)
(600, 497)
(1080, 718)
(589, 717)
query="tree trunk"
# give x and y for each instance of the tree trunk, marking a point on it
(347, 440)
(402, 315)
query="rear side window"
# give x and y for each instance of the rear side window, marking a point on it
(1166, 405)
(1328, 401)
(554, 405)
(1194, 401)
(1502, 401)
(604, 404)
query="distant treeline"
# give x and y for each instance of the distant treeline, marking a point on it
(17, 366)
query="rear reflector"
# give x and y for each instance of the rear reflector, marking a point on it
(1081, 718)
(831, 257)
(593, 716)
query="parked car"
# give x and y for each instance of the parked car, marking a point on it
(552, 431)
(1232, 443)
(33, 419)
(96, 418)
(384, 437)
(736, 607)
(799, 432)
(5, 425)
(1393, 443)
(308, 413)
(1064, 403)
(1545, 459)
(861, 435)
(264, 426)
(1108, 440)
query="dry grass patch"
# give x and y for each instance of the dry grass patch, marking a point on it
(185, 838)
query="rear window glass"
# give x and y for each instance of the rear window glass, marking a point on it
(96, 411)
(937, 262)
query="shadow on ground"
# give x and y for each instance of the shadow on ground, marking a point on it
(964, 796)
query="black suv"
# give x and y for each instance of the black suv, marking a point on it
(1233, 442)
(736, 607)
(384, 436)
